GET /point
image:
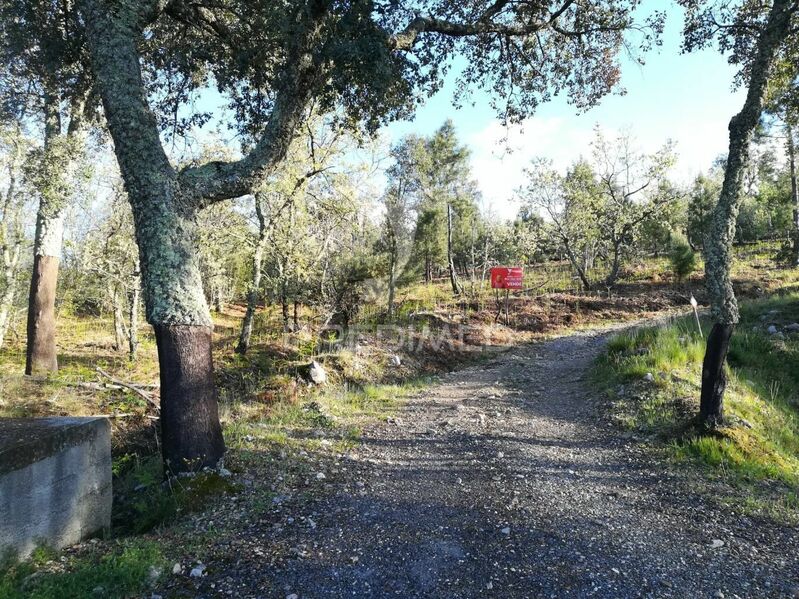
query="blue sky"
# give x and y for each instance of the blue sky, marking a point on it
(683, 97)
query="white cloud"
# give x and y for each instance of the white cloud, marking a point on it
(500, 154)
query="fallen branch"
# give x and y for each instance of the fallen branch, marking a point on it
(97, 386)
(115, 415)
(131, 387)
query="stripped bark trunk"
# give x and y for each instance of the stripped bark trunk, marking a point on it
(192, 437)
(165, 219)
(41, 356)
(165, 204)
(718, 243)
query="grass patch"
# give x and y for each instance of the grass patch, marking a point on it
(653, 375)
(124, 569)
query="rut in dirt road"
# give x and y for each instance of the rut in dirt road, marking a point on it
(502, 481)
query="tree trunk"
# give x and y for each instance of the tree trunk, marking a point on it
(714, 379)
(216, 293)
(120, 336)
(133, 316)
(718, 243)
(613, 275)
(392, 283)
(12, 235)
(165, 220)
(41, 351)
(791, 142)
(284, 306)
(190, 431)
(576, 265)
(11, 260)
(255, 291)
(41, 354)
(453, 276)
(296, 316)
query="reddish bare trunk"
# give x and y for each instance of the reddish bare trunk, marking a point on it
(41, 355)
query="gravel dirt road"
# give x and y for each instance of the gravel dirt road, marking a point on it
(502, 480)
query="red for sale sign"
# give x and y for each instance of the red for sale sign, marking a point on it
(507, 277)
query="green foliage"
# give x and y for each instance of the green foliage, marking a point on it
(681, 257)
(123, 569)
(760, 441)
(436, 174)
(702, 200)
(598, 211)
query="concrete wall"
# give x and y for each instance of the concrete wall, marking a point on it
(55, 482)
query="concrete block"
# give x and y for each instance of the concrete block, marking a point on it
(55, 482)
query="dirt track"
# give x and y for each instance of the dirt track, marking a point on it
(502, 481)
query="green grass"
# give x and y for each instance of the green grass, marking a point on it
(759, 445)
(125, 569)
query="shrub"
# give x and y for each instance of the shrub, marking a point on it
(682, 257)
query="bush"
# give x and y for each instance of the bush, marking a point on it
(682, 257)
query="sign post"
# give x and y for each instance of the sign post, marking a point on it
(507, 278)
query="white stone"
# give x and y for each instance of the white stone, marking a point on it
(317, 373)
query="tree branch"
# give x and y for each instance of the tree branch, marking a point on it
(219, 180)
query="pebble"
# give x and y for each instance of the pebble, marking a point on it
(177, 569)
(717, 543)
(505, 531)
(320, 476)
(197, 571)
